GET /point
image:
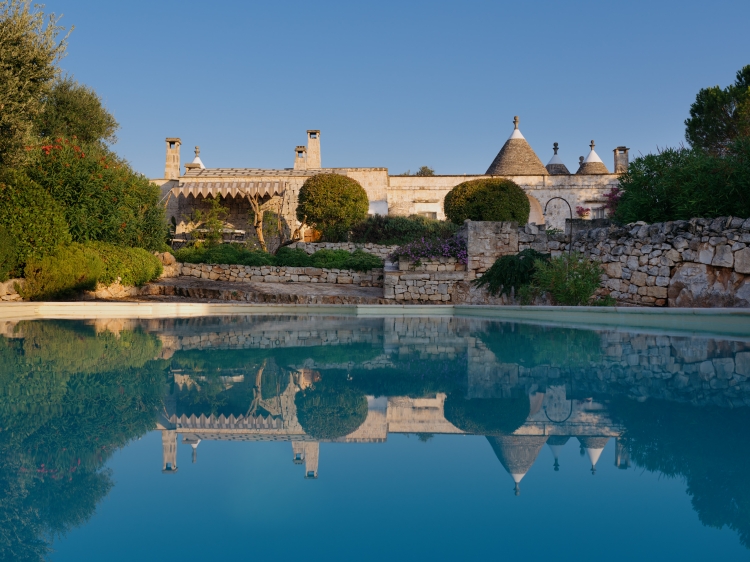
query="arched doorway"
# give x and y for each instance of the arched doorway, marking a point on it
(536, 215)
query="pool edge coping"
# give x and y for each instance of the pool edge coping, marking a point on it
(733, 321)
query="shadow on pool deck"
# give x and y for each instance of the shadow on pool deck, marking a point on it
(203, 290)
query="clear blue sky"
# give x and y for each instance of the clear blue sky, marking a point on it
(399, 84)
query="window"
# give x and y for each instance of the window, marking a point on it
(429, 215)
(598, 213)
(300, 154)
(313, 135)
(171, 145)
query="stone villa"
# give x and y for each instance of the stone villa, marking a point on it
(388, 194)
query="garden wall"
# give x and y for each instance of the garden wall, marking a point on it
(696, 263)
(274, 274)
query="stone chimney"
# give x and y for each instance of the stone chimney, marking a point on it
(300, 158)
(621, 159)
(169, 450)
(172, 168)
(313, 150)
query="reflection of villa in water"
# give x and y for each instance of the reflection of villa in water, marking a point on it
(553, 420)
(559, 377)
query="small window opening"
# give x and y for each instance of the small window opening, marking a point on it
(171, 145)
(313, 135)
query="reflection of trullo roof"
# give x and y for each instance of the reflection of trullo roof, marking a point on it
(516, 158)
(556, 443)
(594, 447)
(592, 164)
(556, 166)
(517, 453)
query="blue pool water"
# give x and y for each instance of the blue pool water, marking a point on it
(343, 438)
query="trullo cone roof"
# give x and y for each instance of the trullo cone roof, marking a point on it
(556, 166)
(517, 453)
(592, 164)
(516, 158)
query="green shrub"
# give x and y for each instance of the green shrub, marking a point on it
(8, 254)
(511, 272)
(63, 273)
(682, 183)
(31, 220)
(229, 254)
(569, 280)
(134, 266)
(332, 204)
(101, 197)
(487, 416)
(292, 258)
(285, 257)
(492, 199)
(360, 260)
(388, 230)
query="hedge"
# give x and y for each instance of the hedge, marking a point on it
(388, 230)
(230, 254)
(70, 269)
(492, 199)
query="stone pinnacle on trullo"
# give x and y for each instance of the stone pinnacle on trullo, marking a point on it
(556, 166)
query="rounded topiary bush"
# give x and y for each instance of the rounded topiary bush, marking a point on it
(327, 412)
(492, 199)
(332, 204)
(29, 217)
(487, 416)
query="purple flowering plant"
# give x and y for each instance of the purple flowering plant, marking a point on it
(428, 248)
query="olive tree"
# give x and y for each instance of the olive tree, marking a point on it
(30, 49)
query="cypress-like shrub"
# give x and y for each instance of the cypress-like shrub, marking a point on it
(102, 198)
(332, 204)
(32, 222)
(491, 199)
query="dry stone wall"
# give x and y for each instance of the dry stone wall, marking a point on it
(273, 274)
(696, 263)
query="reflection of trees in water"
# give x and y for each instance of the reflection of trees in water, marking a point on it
(61, 422)
(530, 345)
(487, 416)
(704, 445)
(331, 407)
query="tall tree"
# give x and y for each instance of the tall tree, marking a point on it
(29, 53)
(719, 116)
(75, 110)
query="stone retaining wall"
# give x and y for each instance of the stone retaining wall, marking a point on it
(430, 281)
(696, 263)
(273, 274)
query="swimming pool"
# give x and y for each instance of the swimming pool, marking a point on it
(330, 436)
